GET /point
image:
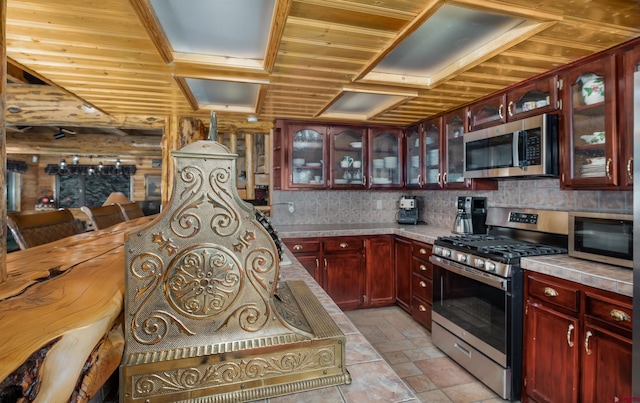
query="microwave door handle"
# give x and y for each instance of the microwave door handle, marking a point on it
(522, 149)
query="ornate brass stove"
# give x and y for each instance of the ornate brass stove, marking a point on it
(206, 319)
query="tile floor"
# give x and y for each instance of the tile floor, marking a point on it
(407, 347)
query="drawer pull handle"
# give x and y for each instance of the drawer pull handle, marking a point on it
(619, 316)
(423, 284)
(423, 267)
(569, 342)
(550, 292)
(423, 251)
(630, 168)
(422, 308)
(344, 245)
(586, 342)
(297, 247)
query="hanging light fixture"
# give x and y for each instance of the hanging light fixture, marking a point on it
(100, 167)
(63, 164)
(118, 164)
(76, 160)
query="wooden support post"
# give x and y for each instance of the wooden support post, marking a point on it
(249, 166)
(178, 132)
(3, 138)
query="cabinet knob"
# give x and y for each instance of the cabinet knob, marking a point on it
(509, 108)
(344, 245)
(422, 308)
(500, 109)
(423, 284)
(619, 316)
(297, 247)
(444, 178)
(423, 251)
(630, 167)
(423, 267)
(608, 167)
(550, 292)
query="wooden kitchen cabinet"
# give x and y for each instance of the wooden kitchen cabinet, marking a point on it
(380, 275)
(534, 97)
(402, 254)
(414, 164)
(356, 271)
(308, 252)
(630, 65)
(386, 156)
(421, 283)
(577, 342)
(590, 141)
(489, 111)
(348, 157)
(344, 271)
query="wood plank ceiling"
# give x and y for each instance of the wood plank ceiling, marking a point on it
(111, 55)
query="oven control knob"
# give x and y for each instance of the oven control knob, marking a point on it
(446, 253)
(462, 258)
(437, 250)
(479, 263)
(491, 266)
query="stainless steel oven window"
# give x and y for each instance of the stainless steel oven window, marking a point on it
(478, 308)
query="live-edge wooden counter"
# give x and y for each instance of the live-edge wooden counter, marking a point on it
(59, 302)
(71, 292)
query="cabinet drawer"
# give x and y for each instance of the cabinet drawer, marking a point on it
(422, 287)
(422, 267)
(609, 310)
(421, 312)
(421, 250)
(298, 246)
(343, 244)
(555, 293)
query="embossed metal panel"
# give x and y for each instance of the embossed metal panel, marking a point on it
(202, 323)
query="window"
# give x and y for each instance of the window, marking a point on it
(90, 190)
(13, 182)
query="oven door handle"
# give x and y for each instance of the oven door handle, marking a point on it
(474, 274)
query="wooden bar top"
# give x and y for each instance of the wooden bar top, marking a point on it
(69, 292)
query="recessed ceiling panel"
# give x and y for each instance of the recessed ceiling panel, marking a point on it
(359, 103)
(233, 94)
(450, 34)
(238, 28)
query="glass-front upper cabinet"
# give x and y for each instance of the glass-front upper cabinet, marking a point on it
(385, 150)
(307, 156)
(348, 160)
(631, 68)
(534, 98)
(432, 130)
(487, 112)
(414, 164)
(454, 129)
(590, 126)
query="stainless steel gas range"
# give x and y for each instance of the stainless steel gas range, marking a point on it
(478, 292)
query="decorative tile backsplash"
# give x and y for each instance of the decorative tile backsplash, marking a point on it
(437, 207)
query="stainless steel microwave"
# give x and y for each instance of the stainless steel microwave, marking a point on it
(527, 147)
(602, 237)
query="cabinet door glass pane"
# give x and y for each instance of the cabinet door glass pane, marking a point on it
(413, 156)
(386, 164)
(432, 150)
(531, 100)
(348, 158)
(589, 137)
(306, 159)
(455, 150)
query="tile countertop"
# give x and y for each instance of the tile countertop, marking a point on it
(372, 379)
(598, 275)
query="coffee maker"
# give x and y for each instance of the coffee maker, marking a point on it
(408, 212)
(471, 215)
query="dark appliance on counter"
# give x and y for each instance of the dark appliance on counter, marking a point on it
(470, 216)
(408, 210)
(602, 237)
(527, 147)
(478, 287)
